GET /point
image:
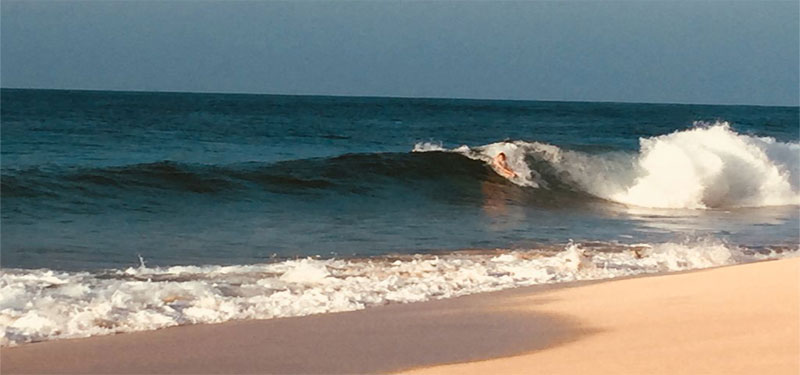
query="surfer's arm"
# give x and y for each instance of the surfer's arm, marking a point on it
(508, 172)
(504, 170)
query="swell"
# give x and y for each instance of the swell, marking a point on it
(354, 173)
(707, 166)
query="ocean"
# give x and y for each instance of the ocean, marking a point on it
(130, 211)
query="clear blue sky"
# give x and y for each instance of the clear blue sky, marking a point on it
(679, 52)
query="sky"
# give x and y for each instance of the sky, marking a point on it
(709, 52)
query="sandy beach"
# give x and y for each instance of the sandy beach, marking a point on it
(738, 319)
(741, 319)
(400, 187)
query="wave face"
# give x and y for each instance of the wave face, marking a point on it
(708, 166)
(38, 305)
(353, 173)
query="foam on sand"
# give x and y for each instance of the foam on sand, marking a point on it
(38, 305)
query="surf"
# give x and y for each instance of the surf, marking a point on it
(707, 166)
(45, 304)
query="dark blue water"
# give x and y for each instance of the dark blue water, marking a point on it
(92, 179)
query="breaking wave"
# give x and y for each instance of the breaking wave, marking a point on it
(708, 166)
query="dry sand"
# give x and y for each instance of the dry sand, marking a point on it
(742, 319)
(733, 319)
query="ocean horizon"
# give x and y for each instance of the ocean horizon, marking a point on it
(409, 97)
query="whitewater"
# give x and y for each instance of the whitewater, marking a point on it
(707, 166)
(38, 305)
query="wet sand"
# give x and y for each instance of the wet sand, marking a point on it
(733, 319)
(380, 339)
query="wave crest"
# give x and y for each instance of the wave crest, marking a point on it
(708, 166)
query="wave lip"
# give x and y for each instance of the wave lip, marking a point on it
(37, 305)
(713, 166)
(708, 166)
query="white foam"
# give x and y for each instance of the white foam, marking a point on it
(515, 158)
(40, 305)
(708, 166)
(428, 146)
(713, 166)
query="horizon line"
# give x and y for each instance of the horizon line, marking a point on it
(389, 97)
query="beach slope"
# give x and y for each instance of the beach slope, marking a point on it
(739, 319)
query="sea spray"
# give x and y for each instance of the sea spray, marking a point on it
(707, 166)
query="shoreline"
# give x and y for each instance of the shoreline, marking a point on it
(43, 305)
(378, 339)
(522, 327)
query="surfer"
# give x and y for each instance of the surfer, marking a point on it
(502, 167)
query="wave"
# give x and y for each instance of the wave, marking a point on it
(708, 166)
(349, 172)
(37, 305)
